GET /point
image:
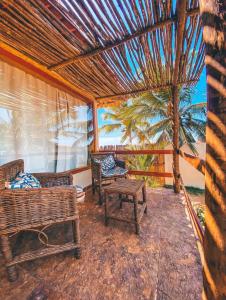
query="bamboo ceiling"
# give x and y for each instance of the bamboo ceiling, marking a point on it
(111, 48)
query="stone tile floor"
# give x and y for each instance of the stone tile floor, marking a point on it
(162, 263)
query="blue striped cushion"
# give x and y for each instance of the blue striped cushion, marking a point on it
(24, 181)
(107, 162)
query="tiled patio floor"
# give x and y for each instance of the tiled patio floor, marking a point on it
(162, 263)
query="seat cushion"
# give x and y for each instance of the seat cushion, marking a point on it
(117, 171)
(24, 181)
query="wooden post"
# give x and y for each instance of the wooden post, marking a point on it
(181, 21)
(95, 127)
(214, 270)
(176, 127)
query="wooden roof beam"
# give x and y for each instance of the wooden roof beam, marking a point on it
(100, 50)
(133, 92)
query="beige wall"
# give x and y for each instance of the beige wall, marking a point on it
(190, 175)
(84, 178)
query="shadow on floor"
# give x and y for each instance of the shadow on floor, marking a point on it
(162, 263)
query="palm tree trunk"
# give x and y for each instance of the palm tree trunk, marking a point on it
(214, 271)
(176, 126)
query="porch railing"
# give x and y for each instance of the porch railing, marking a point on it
(200, 165)
(142, 152)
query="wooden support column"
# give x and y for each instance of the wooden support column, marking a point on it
(181, 22)
(214, 270)
(176, 126)
(95, 127)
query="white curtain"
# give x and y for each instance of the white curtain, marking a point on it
(40, 123)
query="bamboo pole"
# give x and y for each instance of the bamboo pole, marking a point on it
(134, 92)
(214, 272)
(176, 126)
(95, 127)
(181, 14)
(113, 45)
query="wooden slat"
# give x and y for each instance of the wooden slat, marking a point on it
(198, 163)
(43, 252)
(139, 91)
(100, 50)
(138, 152)
(95, 127)
(193, 216)
(79, 170)
(148, 173)
(112, 45)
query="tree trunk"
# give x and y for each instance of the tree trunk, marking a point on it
(176, 126)
(214, 271)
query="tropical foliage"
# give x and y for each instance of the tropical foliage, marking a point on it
(130, 128)
(144, 163)
(148, 118)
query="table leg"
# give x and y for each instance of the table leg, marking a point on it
(137, 226)
(144, 198)
(106, 208)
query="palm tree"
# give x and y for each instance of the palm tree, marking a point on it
(153, 113)
(129, 127)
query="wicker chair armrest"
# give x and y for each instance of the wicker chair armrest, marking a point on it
(120, 163)
(54, 179)
(23, 208)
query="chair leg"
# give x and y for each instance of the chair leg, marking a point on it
(76, 237)
(93, 186)
(100, 193)
(106, 208)
(7, 253)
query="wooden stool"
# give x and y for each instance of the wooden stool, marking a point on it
(131, 188)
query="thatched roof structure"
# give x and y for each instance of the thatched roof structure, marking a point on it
(109, 48)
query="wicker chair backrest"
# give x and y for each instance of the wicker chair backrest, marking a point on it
(9, 171)
(101, 156)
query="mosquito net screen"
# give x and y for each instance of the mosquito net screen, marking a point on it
(46, 127)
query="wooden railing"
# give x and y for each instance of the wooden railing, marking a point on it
(198, 163)
(192, 214)
(139, 152)
(142, 152)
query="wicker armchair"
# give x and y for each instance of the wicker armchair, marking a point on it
(35, 210)
(99, 178)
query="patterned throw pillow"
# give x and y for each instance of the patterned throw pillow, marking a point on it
(24, 181)
(108, 163)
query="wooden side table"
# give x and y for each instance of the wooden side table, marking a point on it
(131, 188)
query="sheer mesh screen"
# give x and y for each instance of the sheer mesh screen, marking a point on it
(46, 127)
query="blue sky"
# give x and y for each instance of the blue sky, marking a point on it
(114, 137)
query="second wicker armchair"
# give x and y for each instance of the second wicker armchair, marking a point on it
(105, 167)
